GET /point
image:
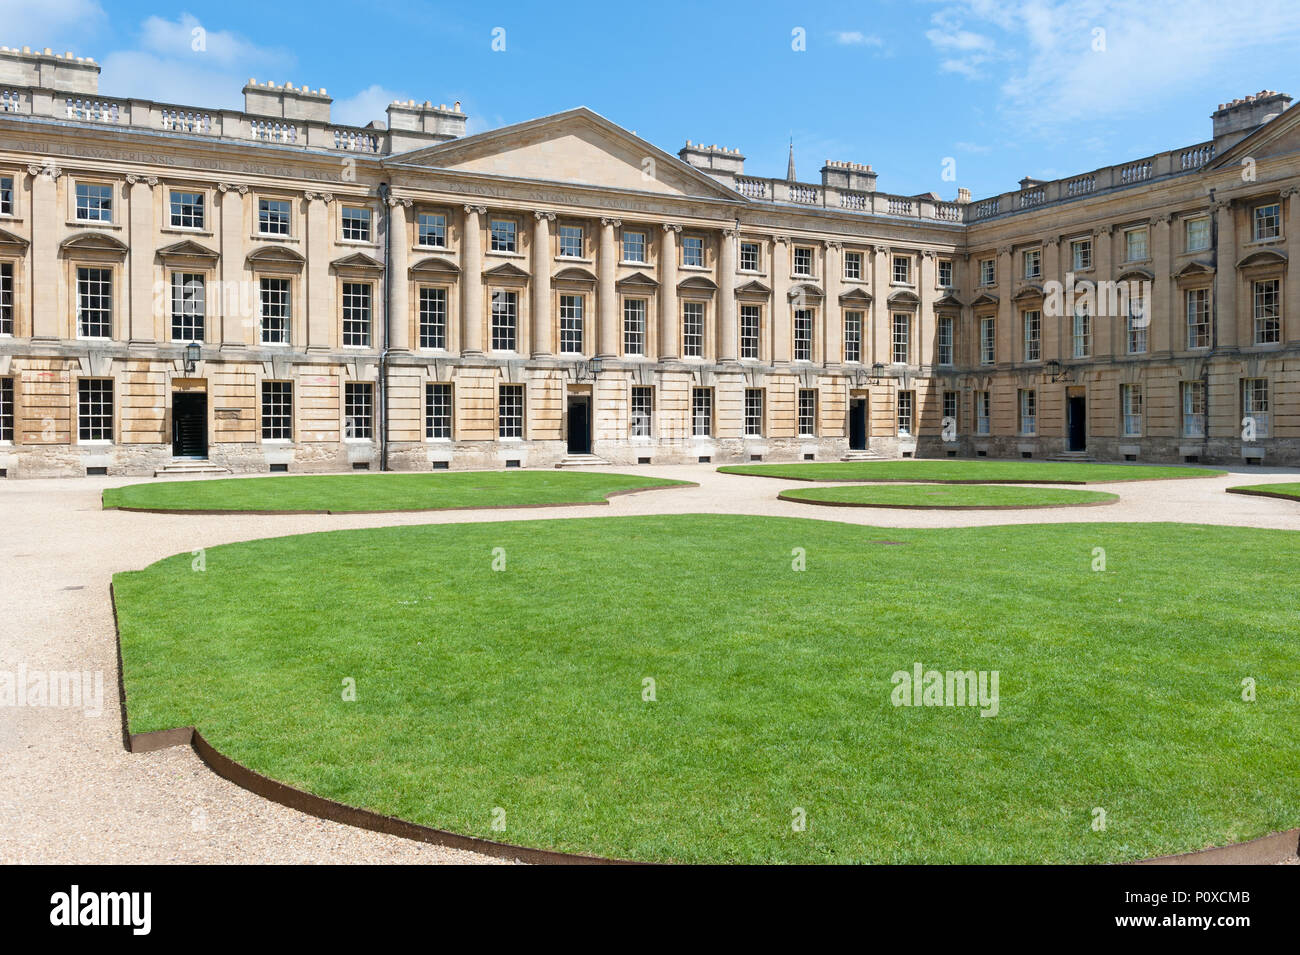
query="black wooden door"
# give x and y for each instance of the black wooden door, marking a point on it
(579, 426)
(1076, 412)
(858, 424)
(189, 425)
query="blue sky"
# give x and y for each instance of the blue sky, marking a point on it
(1004, 88)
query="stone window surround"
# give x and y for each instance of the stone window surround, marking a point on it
(115, 199)
(449, 220)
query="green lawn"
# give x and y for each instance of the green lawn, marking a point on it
(1120, 689)
(340, 493)
(946, 495)
(1290, 492)
(975, 472)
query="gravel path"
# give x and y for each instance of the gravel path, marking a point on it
(69, 793)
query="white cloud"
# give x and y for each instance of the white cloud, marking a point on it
(184, 62)
(856, 38)
(1076, 60)
(368, 104)
(58, 24)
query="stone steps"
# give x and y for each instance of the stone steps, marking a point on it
(867, 455)
(581, 461)
(189, 468)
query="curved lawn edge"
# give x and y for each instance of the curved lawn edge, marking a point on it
(1258, 490)
(788, 496)
(396, 510)
(1269, 849)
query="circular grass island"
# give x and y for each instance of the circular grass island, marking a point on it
(683, 688)
(969, 472)
(363, 493)
(955, 497)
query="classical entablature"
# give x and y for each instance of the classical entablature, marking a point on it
(577, 146)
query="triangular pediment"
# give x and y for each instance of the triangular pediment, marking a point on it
(638, 280)
(358, 261)
(189, 249)
(753, 287)
(1279, 137)
(948, 301)
(858, 296)
(985, 298)
(1195, 268)
(10, 241)
(577, 146)
(505, 271)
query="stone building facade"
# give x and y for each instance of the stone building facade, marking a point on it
(268, 290)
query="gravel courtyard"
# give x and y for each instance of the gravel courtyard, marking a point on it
(69, 793)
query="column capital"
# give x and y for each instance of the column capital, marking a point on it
(730, 232)
(1004, 250)
(477, 210)
(394, 201)
(1052, 240)
(1102, 231)
(782, 239)
(834, 244)
(672, 227)
(882, 250)
(241, 188)
(48, 171)
(540, 214)
(1163, 218)
(1289, 191)
(149, 181)
(927, 253)
(611, 223)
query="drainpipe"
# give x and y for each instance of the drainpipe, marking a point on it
(382, 397)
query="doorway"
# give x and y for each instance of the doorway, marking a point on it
(1076, 420)
(189, 424)
(579, 424)
(857, 424)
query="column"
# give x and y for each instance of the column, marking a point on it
(881, 331)
(832, 337)
(781, 318)
(397, 311)
(1103, 323)
(238, 301)
(1291, 291)
(1007, 333)
(727, 331)
(1226, 332)
(668, 325)
(140, 228)
(46, 310)
(322, 328)
(471, 283)
(1055, 329)
(541, 297)
(926, 324)
(1160, 306)
(606, 291)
